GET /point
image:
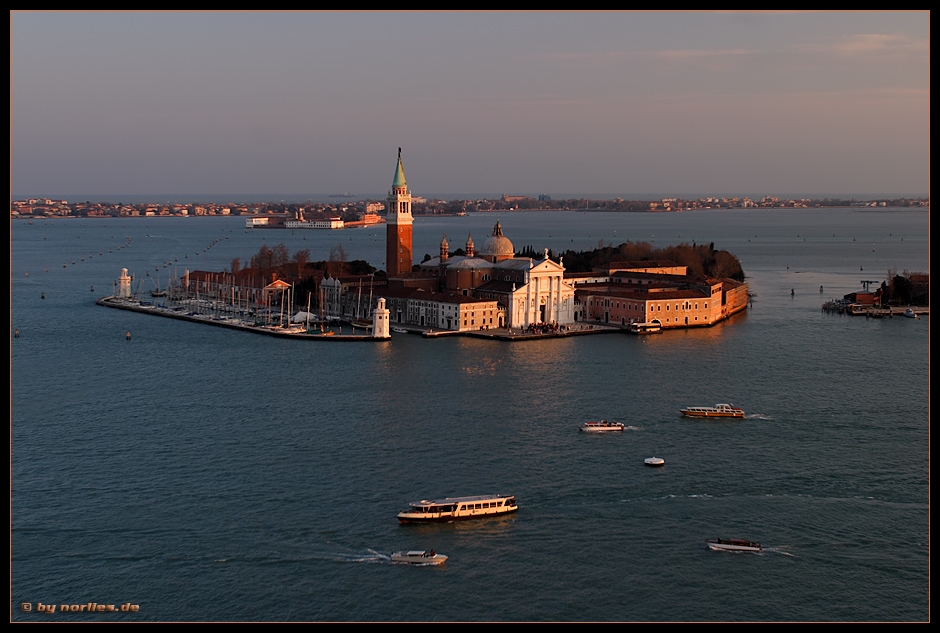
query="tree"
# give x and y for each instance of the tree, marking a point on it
(300, 259)
(281, 255)
(337, 263)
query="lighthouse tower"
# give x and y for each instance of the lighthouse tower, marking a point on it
(380, 322)
(124, 285)
(398, 230)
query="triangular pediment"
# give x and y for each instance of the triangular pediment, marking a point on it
(547, 264)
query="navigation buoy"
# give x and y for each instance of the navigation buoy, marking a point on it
(128, 336)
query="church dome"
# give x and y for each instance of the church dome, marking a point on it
(497, 246)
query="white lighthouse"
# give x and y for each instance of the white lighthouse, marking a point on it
(124, 285)
(380, 323)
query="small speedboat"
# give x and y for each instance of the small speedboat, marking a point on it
(733, 545)
(654, 461)
(600, 427)
(419, 557)
(910, 314)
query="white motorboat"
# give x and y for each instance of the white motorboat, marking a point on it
(654, 461)
(601, 427)
(717, 411)
(419, 557)
(457, 508)
(733, 545)
(646, 328)
(910, 314)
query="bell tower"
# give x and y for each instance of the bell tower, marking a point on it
(398, 258)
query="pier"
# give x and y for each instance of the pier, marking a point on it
(296, 332)
(314, 333)
(843, 306)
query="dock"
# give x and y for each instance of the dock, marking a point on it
(296, 332)
(842, 306)
(300, 332)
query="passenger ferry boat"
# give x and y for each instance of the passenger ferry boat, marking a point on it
(733, 545)
(717, 411)
(457, 508)
(601, 427)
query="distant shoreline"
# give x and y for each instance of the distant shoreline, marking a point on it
(365, 212)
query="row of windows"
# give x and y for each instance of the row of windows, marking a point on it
(607, 303)
(473, 321)
(481, 506)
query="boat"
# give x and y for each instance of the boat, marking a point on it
(398, 330)
(419, 557)
(646, 328)
(457, 508)
(733, 545)
(717, 411)
(654, 461)
(601, 427)
(910, 314)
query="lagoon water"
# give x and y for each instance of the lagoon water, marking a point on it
(208, 474)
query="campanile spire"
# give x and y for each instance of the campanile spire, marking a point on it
(398, 256)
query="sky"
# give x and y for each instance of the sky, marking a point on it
(516, 103)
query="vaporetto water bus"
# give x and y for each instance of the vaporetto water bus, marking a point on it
(457, 508)
(717, 411)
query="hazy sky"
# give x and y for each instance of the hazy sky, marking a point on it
(501, 102)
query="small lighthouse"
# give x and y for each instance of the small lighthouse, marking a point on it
(124, 285)
(380, 322)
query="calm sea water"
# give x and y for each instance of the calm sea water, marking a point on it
(207, 474)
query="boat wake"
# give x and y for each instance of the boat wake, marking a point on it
(758, 416)
(631, 428)
(371, 557)
(780, 550)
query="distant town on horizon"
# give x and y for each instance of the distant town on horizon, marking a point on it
(353, 209)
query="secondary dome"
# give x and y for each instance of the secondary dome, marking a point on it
(497, 246)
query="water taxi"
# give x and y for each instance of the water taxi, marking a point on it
(654, 461)
(601, 427)
(646, 328)
(419, 557)
(733, 545)
(457, 508)
(717, 411)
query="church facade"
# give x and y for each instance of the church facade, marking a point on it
(492, 285)
(533, 292)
